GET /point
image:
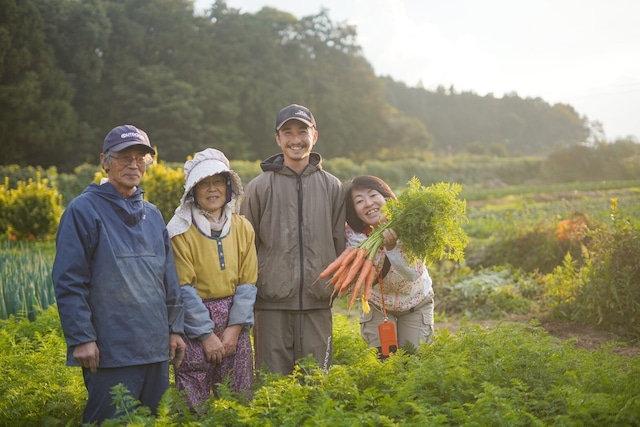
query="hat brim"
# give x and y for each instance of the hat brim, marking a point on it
(307, 122)
(127, 144)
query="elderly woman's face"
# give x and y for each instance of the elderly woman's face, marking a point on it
(211, 193)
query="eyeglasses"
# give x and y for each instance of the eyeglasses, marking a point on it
(216, 182)
(126, 160)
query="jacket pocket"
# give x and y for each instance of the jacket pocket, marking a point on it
(320, 290)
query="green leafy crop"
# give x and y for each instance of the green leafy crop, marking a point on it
(428, 221)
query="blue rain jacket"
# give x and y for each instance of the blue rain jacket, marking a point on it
(115, 278)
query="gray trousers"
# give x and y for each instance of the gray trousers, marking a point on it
(282, 337)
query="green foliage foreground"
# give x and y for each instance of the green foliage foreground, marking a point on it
(511, 374)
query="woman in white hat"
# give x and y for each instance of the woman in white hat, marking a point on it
(214, 251)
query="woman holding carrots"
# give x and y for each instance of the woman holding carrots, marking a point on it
(402, 291)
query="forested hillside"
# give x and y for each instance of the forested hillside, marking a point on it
(71, 70)
(513, 125)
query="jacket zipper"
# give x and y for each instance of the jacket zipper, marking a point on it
(300, 240)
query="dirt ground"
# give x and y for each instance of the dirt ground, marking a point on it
(587, 336)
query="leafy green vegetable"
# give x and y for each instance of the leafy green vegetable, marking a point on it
(428, 221)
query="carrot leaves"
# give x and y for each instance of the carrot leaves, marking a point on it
(428, 221)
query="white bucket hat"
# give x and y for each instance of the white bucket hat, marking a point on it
(204, 164)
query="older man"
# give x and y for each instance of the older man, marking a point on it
(116, 284)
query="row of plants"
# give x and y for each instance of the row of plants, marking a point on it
(32, 197)
(25, 278)
(511, 374)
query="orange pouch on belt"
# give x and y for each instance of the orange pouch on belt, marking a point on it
(388, 338)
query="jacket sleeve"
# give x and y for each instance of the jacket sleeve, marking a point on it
(250, 207)
(76, 240)
(175, 309)
(399, 263)
(241, 312)
(197, 322)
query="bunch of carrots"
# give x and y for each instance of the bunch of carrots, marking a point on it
(354, 269)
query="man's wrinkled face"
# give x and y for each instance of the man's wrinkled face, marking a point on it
(126, 168)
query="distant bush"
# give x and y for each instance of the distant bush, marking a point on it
(610, 294)
(163, 186)
(16, 173)
(245, 169)
(32, 210)
(343, 168)
(71, 185)
(606, 161)
(541, 246)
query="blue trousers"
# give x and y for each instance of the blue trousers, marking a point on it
(146, 383)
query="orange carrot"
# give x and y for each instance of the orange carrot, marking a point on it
(367, 264)
(343, 288)
(336, 280)
(338, 273)
(342, 258)
(355, 267)
(371, 279)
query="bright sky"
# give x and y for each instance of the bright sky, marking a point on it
(585, 53)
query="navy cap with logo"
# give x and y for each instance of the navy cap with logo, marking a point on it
(125, 136)
(295, 112)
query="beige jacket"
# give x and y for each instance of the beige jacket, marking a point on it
(299, 224)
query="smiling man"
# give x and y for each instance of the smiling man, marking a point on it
(116, 283)
(297, 211)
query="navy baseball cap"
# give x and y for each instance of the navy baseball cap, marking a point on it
(125, 136)
(295, 112)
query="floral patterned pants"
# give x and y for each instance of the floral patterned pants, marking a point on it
(199, 378)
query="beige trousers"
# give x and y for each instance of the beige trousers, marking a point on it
(412, 326)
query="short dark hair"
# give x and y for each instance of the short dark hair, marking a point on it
(367, 182)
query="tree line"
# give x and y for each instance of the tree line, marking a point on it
(70, 70)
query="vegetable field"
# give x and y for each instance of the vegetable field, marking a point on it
(538, 256)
